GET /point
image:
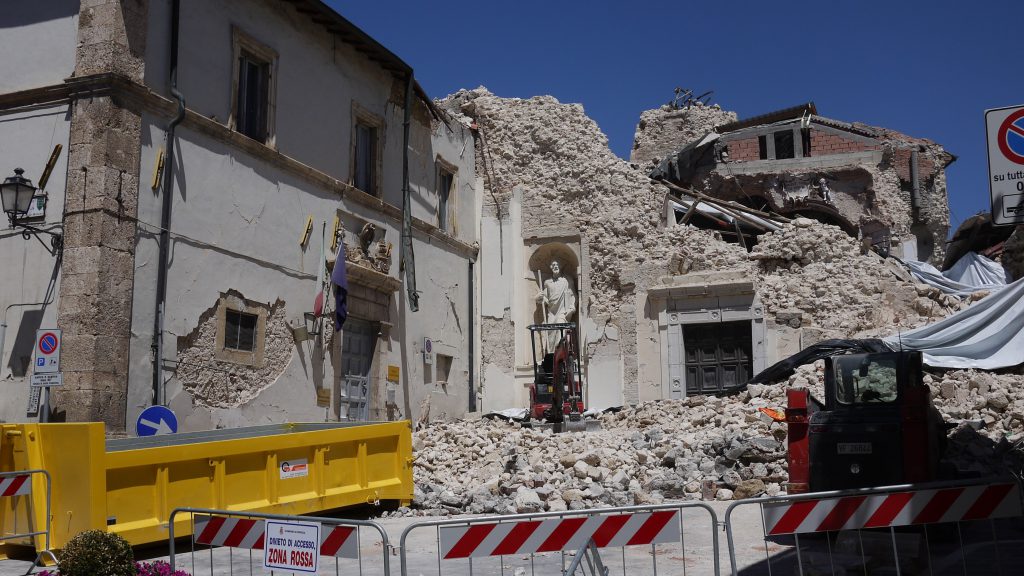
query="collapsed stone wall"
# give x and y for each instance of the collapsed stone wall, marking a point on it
(559, 158)
(821, 272)
(665, 130)
(809, 273)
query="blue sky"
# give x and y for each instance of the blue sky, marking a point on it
(926, 68)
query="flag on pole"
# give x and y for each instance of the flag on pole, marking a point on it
(318, 300)
(339, 281)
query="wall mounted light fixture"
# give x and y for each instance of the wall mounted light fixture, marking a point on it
(16, 195)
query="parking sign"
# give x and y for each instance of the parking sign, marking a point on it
(47, 354)
(1004, 129)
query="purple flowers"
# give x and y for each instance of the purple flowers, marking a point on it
(155, 568)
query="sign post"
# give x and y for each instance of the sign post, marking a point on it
(292, 546)
(45, 371)
(156, 421)
(1004, 130)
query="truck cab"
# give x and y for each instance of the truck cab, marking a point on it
(876, 425)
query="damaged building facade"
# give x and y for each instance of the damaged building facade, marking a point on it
(879, 185)
(666, 310)
(243, 138)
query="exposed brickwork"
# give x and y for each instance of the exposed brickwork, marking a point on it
(825, 143)
(744, 150)
(901, 160)
(97, 272)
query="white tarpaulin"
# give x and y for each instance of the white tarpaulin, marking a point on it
(971, 273)
(976, 270)
(987, 335)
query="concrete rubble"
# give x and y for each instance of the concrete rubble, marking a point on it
(811, 277)
(697, 448)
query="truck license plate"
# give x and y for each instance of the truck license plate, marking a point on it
(854, 447)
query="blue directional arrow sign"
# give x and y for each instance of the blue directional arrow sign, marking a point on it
(156, 421)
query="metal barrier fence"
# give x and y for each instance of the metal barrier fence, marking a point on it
(220, 532)
(944, 528)
(19, 484)
(569, 542)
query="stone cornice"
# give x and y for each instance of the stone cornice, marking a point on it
(140, 97)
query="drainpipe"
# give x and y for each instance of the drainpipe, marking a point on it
(408, 259)
(159, 393)
(472, 337)
(915, 184)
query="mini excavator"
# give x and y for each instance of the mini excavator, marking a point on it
(556, 394)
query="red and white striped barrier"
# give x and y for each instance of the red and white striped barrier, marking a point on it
(892, 509)
(556, 534)
(337, 541)
(15, 485)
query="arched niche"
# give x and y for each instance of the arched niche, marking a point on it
(541, 259)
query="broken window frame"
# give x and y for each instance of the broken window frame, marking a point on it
(446, 184)
(253, 101)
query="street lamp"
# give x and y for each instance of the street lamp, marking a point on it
(16, 194)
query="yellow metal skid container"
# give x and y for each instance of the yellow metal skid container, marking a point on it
(129, 486)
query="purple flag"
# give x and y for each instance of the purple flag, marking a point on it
(340, 283)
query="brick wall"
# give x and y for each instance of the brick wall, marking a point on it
(901, 158)
(744, 150)
(824, 143)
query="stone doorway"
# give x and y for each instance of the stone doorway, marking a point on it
(717, 356)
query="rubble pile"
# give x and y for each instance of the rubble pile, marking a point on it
(695, 448)
(987, 410)
(1013, 254)
(665, 130)
(820, 270)
(560, 159)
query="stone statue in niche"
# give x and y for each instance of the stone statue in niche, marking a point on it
(558, 301)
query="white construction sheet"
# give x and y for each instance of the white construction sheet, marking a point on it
(976, 270)
(987, 335)
(971, 273)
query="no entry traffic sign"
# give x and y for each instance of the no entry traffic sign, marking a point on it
(1004, 128)
(47, 351)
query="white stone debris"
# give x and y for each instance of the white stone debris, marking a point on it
(697, 448)
(811, 277)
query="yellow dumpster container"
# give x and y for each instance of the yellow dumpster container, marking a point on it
(129, 486)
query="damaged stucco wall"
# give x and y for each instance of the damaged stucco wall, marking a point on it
(235, 381)
(239, 210)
